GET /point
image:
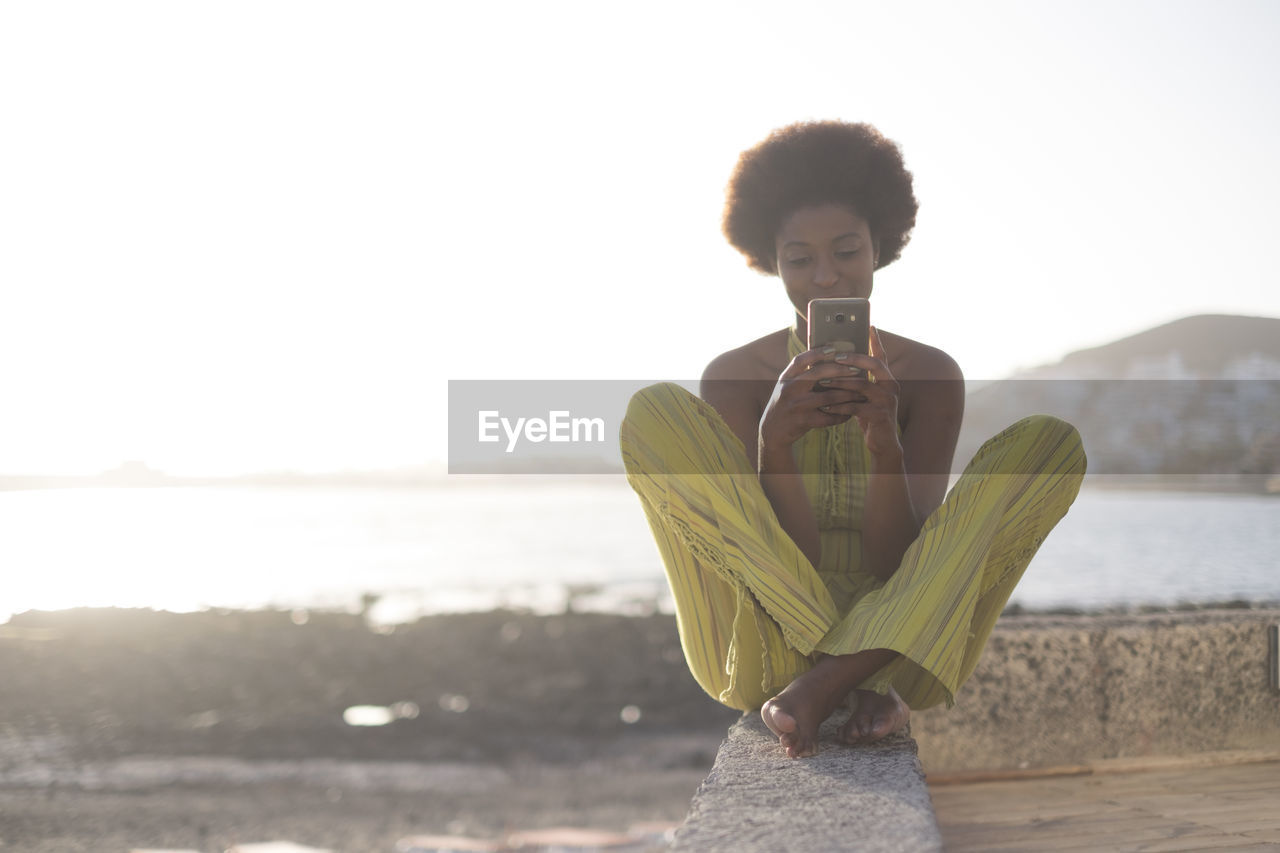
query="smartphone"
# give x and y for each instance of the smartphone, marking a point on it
(842, 323)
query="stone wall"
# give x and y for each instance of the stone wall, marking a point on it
(1068, 690)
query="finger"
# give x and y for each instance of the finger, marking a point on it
(806, 360)
(840, 413)
(855, 389)
(817, 379)
(846, 382)
(808, 401)
(862, 407)
(810, 359)
(824, 392)
(875, 369)
(877, 394)
(856, 398)
(821, 418)
(832, 402)
(856, 359)
(838, 369)
(827, 392)
(847, 409)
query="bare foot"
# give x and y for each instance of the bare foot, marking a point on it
(795, 714)
(874, 717)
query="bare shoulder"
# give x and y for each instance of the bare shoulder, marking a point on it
(761, 359)
(737, 384)
(912, 360)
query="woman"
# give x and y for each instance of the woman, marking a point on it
(799, 503)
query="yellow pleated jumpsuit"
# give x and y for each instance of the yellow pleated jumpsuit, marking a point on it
(753, 612)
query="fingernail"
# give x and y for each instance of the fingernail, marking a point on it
(824, 381)
(844, 356)
(853, 369)
(828, 350)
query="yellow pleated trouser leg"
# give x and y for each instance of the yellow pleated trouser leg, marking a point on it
(751, 609)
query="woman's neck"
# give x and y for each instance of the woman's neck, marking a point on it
(800, 326)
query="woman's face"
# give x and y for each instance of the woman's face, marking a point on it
(825, 252)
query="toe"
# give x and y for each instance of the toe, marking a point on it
(779, 721)
(851, 731)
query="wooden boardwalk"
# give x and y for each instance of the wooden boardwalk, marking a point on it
(1233, 807)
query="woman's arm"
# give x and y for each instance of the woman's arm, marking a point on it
(909, 474)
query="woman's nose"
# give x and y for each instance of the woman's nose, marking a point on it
(824, 273)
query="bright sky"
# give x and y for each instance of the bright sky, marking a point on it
(261, 235)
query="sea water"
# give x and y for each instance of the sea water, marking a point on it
(541, 544)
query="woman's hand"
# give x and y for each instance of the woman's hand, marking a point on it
(808, 395)
(877, 414)
(822, 388)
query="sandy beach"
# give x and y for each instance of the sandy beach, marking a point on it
(126, 729)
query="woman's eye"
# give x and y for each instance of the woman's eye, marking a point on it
(846, 253)
(797, 262)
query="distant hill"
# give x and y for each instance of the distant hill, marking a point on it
(1196, 400)
(1205, 346)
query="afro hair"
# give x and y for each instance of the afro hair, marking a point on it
(812, 163)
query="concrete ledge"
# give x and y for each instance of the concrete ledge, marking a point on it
(870, 798)
(1070, 690)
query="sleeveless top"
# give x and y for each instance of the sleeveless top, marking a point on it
(835, 463)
